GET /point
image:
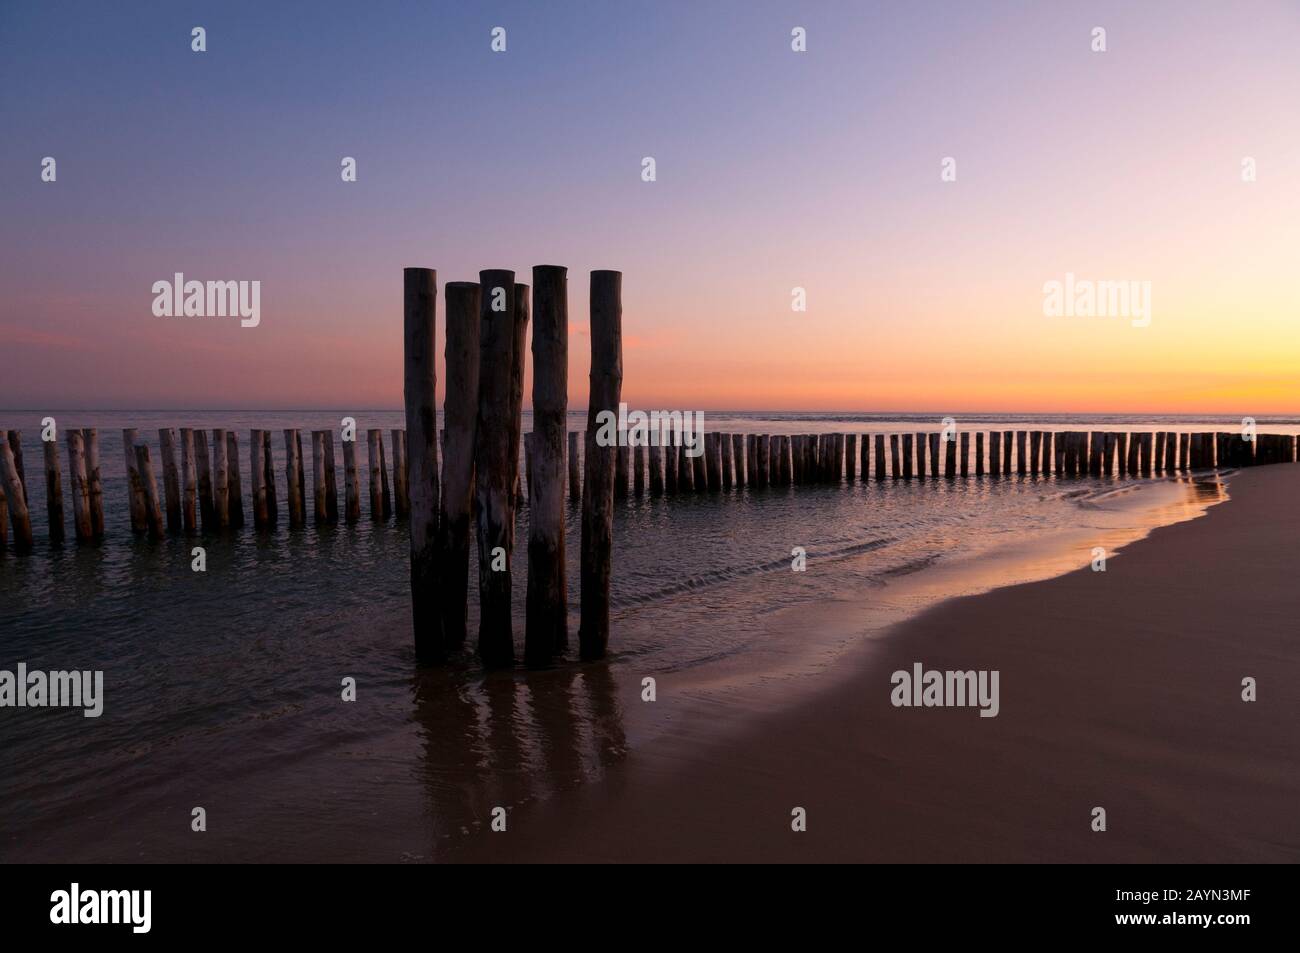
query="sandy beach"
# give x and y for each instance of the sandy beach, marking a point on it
(1119, 689)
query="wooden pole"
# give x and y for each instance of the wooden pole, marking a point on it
(1035, 450)
(19, 516)
(171, 478)
(738, 457)
(686, 472)
(401, 489)
(385, 490)
(656, 456)
(519, 357)
(189, 482)
(268, 478)
(149, 488)
(351, 483)
(597, 500)
(671, 467)
(221, 477)
(979, 453)
(494, 467)
(16, 446)
(1047, 452)
(135, 493)
(1171, 452)
(995, 453)
(622, 465)
(699, 467)
(546, 627)
(376, 480)
(207, 512)
(950, 457)
(728, 478)
(460, 417)
(80, 486)
(638, 468)
(235, 481)
(895, 467)
(1022, 457)
(419, 380)
(320, 509)
(53, 490)
(257, 471)
(94, 475)
(331, 479)
(293, 478)
(965, 452)
(764, 444)
(879, 449)
(713, 461)
(1159, 460)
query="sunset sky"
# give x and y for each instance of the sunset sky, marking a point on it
(775, 169)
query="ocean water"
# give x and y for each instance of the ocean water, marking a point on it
(223, 688)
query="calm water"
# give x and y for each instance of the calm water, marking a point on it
(223, 688)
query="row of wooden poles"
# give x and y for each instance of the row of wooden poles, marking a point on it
(487, 333)
(737, 460)
(207, 489)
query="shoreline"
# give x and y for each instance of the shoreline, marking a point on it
(1127, 697)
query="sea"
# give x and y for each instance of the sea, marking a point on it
(227, 734)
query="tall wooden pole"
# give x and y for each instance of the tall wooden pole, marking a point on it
(221, 477)
(598, 491)
(171, 478)
(135, 493)
(19, 515)
(53, 490)
(95, 477)
(79, 484)
(546, 630)
(189, 481)
(495, 471)
(234, 481)
(401, 489)
(419, 382)
(149, 489)
(257, 470)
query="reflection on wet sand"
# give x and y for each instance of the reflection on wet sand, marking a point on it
(511, 738)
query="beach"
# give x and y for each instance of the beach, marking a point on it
(1120, 689)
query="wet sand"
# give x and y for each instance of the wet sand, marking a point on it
(1120, 689)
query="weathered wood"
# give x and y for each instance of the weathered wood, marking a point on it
(1022, 456)
(762, 466)
(1095, 452)
(546, 626)
(995, 453)
(979, 453)
(134, 491)
(332, 484)
(351, 482)
(53, 491)
(950, 456)
(699, 472)
(257, 474)
(623, 464)
(1184, 451)
(638, 467)
(656, 459)
(149, 489)
(4, 511)
(922, 442)
(19, 516)
(293, 478)
(1048, 456)
(419, 383)
(221, 478)
(207, 513)
(1008, 446)
(895, 467)
(1171, 452)
(16, 446)
(907, 456)
(878, 469)
(518, 359)
(1145, 454)
(272, 499)
(401, 488)
(712, 462)
(94, 474)
(189, 482)
(964, 451)
(234, 481)
(850, 457)
(1158, 461)
(320, 509)
(374, 467)
(494, 468)
(1035, 451)
(738, 459)
(597, 500)
(79, 485)
(575, 474)
(171, 478)
(686, 470)
(385, 488)
(728, 471)
(460, 416)
(672, 466)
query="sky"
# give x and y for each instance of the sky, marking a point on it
(775, 170)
